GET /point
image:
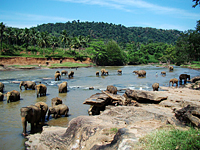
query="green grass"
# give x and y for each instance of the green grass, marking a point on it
(68, 64)
(171, 139)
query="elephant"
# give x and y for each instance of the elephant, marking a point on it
(64, 72)
(104, 72)
(141, 73)
(56, 101)
(97, 73)
(163, 73)
(119, 71)
(57, 76)
(71, 74)
(62, 88)
(184, 77)
(135, 71)
(112, 89)
(58, 110)
(1, 87)
(32, 115)
(57, 71)
(174, 80)
(171, 68)
(13, 96)
(27, 85)
(155, 86)
(43, 107)
(41, 89)
(1, 96)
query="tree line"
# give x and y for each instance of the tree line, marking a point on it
(103, 51)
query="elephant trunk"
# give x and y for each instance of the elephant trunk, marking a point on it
(20, 86)
(24, 125)
(8, 98)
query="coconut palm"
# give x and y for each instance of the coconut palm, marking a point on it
(64, 37)
(26, 37)
(54, 42)
(43, 40)
(2, 29)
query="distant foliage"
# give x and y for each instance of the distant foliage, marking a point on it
(119, 33)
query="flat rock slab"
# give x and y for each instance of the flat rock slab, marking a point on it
(98, 99)
(144, 96)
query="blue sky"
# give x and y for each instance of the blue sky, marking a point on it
(160, 14)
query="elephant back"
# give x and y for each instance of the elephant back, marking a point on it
(62, 108)
(56, 101)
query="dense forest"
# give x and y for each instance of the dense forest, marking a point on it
(119, 33)
(105, 44)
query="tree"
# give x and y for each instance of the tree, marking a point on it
(64, 36)
(197, 2)
(43, 39)
(26, 37)
(2, 29)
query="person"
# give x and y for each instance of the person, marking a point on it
(156, 74)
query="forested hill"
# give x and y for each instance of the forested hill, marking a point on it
(119, 33)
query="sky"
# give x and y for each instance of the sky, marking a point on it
(160, 14)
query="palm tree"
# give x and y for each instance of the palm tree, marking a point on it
(34, 36)
(2, 29)
(17, 33)
(26, 37)
(54, 42)
(43, 40)
(64, 36)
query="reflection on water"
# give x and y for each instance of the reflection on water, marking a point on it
(78, 91)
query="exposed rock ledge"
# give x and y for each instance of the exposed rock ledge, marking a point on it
(129, 122)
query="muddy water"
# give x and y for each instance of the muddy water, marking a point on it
(10, 124)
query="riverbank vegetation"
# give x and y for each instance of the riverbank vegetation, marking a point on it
(171, 139)
(105, 44)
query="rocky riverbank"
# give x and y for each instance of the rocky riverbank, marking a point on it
(120, 127)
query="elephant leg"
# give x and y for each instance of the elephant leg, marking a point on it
(66, 114)
(24, 124)
(32, 127)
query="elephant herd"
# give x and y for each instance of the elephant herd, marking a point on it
(35, 114)
(63, 72)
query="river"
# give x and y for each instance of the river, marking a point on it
(10, 124)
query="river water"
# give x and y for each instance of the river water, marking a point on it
(10, 124)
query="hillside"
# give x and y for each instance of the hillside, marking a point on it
(119, 33)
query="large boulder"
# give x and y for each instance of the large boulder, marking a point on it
(145, 96)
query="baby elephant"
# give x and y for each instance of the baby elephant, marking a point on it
(58, 110)
(57, 76)
(13, 96)
(56, 101)
(155, 86)
(71, 74)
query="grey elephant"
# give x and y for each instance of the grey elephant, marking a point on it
(112, 89)
(62, 88)
(57, 76)
(171, 68)
(27, 85)
(119, 71)
(104, 72)
(32, 115)
(13, 96)
(97, 73)
(56, 101)
(174, 80)
(141, 73)
(43, 107)
(71, 74)
(163, 73)
(1, 87)
(155, 86)
(1, 96)
(64, 72)
(184, 77)
(41, 90)
(58, 110)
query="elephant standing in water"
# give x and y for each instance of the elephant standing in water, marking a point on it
(64, 72)
(1, 96)
(163, 73)
(58, 110)
(13, 96)
(41, 90)
(141, 73)
(112, 89)
(62, 88)
(43, 107)
(71, 74)
(174, 80)
(155, 86)
(184, 77)
(171, 68)
(119, 71)
(97, 73)
(32, 115)
(57, 76)
(56, 101)
(1, 87)
(27, 85)
(104, 72)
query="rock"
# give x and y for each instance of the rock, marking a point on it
(146, 96)
(116, 128)
(193, 80)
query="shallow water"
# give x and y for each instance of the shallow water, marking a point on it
(10, 124)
